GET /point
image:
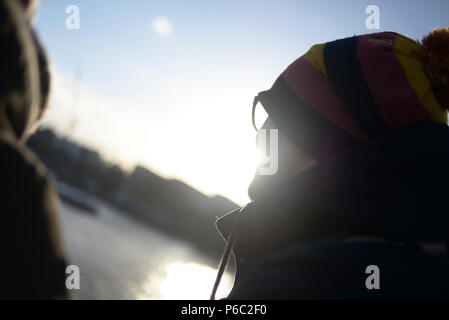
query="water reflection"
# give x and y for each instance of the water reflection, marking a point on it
(182, 281)
(120, 258)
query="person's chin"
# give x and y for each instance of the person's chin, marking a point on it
(260, 185)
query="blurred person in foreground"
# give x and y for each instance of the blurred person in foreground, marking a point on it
(33, 264)
(363, 177)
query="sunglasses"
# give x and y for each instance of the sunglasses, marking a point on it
(259, 114)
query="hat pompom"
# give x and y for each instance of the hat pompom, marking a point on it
(436, 48)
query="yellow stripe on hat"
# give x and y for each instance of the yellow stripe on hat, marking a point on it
(411, 56)
(315, 57)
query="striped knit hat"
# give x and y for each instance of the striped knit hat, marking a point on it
(346, 92)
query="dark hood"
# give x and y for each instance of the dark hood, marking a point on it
(395, 187)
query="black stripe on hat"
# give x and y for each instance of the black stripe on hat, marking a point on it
(303, 125)
(346, 76)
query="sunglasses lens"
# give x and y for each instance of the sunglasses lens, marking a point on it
(259, 115)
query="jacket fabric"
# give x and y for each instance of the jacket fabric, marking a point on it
(33, 262)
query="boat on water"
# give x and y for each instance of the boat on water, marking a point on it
(77, 198)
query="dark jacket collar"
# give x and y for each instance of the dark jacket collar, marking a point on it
(393, 187)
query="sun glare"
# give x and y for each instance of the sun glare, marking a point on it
(184, 281)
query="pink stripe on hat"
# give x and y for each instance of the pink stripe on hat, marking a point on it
(310, 85)
(390, 88)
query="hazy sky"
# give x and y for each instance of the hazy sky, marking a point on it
(169, 84)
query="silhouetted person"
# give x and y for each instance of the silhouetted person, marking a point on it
(32, 264)
(359, 205)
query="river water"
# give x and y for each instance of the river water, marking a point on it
(120, 258)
